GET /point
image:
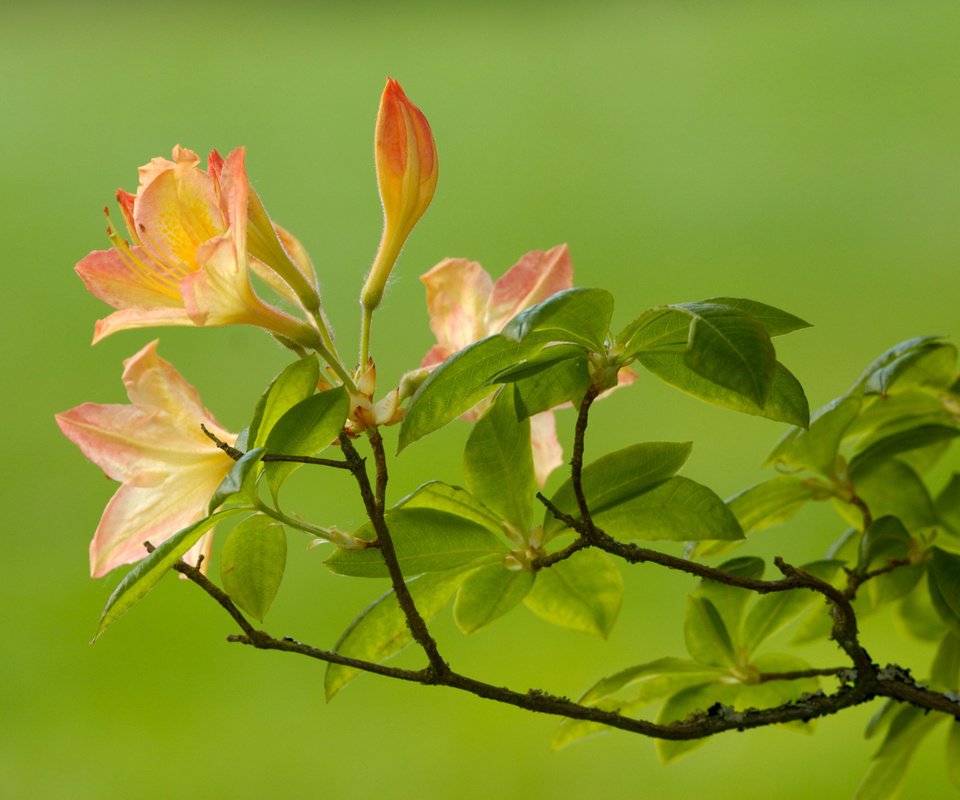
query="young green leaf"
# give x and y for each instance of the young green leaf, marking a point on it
(944, 585)
(459, 383)
(426, 540)
(708, 640)
(730, 601)
(933, 364)
(240, 482)
(920, 618)
(886, 539)
(948, 504)
(772, 612)
(381, 630)
(576, 316)
(678, 509)
(730, 349)
(775, 321)
(655, 329)
(498, 463)
(889, 357)
(306, 429)
(565, 382)
(816, 448)
(891, 487)
(252, 562)
(294, 384)
(619, 476)
(916, 438)
(785, 401)
(489, 593)
(945, 670)
(582, 593)
(772, 502)
(453, 500)
(547, 358)
(147, 573)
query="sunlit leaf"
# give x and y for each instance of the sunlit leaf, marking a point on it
(583, 593)
(453, 500)
(816, 448)
(917, 438)
(425, 540)
(296, 383)
(772, 502)
(886, 539)
(774, 320)
(730, 601)
(489, 593)
(578, 316)
(708, 640)
(252, 563)
(619, 476)
(565, 382)
(240, 482)
(891, 487)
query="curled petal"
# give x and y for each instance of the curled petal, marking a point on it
(131, 318)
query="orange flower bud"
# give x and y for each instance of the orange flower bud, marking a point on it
(406, 159)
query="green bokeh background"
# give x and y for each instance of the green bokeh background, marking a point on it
(804, 154)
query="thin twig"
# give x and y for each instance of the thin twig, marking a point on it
(320, 462)
(230, 450)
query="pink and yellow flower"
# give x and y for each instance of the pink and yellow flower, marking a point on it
(169, 469)
(194, 236)
(406, 160)
(465, 304)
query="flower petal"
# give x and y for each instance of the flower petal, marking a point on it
(111, 277)
(457, 294)
(136, 515)
(131, 318)
(535, 277)
(547, 453)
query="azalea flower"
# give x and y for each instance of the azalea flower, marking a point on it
(155, 447)
(465, 304)
(194, 236)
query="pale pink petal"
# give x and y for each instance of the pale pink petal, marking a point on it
(436, 355)
(131, 318)
(535, 277)
(136, 515)
(154, 383)
(547, 453)
(176, 213)
(203, 547)
(234, 198)
(112, 277)
(457, 294)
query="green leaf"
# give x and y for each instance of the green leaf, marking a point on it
(944, 585)
(619, 476)
(381, 630)
(772, 612)
(296, 383)
(147, 573)
(498, 463)
(785, 402)
(678, 509)
(920, 618)
(903, 441)
(459, 383)
(425, 540)
(306, 429)
(897, 412)
(932, 365)
(884, 779)
(636, 686)
(582, 593)
(772, 693)
(885, 540)
(240, 482)
(730, 601)
(547, 358)
(772, 502)
(948, 504)
(775, 321)
(816, 448)
(953, 752)
(945, 670)
(565, 382)
(454, 500)
(654, 329)
(889, 357)
(685, 703)
(730, 349)
(577, 316)
(708, 640)
(891, 487)
(488, 593)
(252, 562)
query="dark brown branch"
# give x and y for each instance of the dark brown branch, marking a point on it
(856, 579)
(800, 674)
(576, 460)
(320, 462)
(415, 622)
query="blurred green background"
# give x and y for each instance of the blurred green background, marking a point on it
(804, 154)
